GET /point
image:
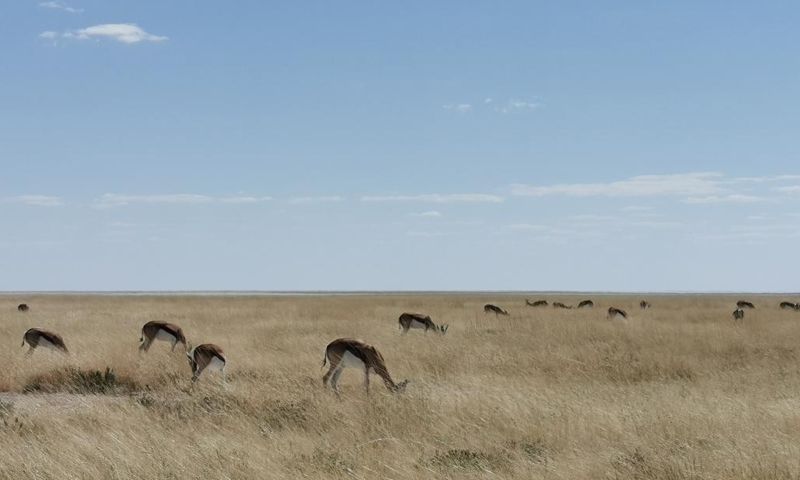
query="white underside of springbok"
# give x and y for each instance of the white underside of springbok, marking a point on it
(165, 336)
(417, 324)
(45, 344)
(350, 360)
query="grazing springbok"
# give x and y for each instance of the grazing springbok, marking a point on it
(166, 332)
(738, 314)
(586, 303)
(22, 307)
(644, 304)
(37, 337)
(489, 308)
(744, 304)
(422, 322)
(616, 312)
(206, 356)
(790, 306)
(351, 352)
(537, 303)
(560, 305)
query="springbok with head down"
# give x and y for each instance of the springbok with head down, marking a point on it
(561, 305)
(38, 337)
(644, 304)
(617, 313)
(23, 307)
(408, 321)
(790, 306)
(586, 304)
(745, 304)
(351, 352)
(163, 331)
(537, 303)
(738, 314)
(204, 357)
(489, 308)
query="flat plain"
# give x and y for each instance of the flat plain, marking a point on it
(677, 391)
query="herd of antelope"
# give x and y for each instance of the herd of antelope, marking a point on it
(339, 354)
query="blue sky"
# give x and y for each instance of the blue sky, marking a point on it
(453, 145)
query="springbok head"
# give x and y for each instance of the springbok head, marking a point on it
(400, 387)
(443, 329)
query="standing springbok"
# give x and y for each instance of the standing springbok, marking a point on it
(22, 307)
(537, 303)
(561, 305)
(616, 312)
(38, 337)
(417, 320)
(163, 331)
(744, 304)
(790, 306)
(206, 356)
(586, 303)
(489, 308)
(644, 304)
(738, 314)
(351, 352)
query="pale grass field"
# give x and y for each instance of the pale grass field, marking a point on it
(677, 391)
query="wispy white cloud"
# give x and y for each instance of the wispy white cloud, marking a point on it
(459, 107)
(35, 200)
(60, 6)
(111, 200)
(244, 199)
(49, 35)
(734, 198)
(430, 213)
(306, 200)
(128, 33)
(436, 198)
(762, 179)
(749, 233)
(792, 189)
(682, 184)
(518, 106)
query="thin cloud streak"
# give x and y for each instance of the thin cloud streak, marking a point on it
(430, 213)
(736, 198)
(437, 198)
(307, 200)
(60, 6)
(682, 184)
(112, 200)
(35, 200)
(128, 33)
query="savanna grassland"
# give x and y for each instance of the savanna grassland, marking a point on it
(678, 391)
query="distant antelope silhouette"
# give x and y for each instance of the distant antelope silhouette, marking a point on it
(738, 314)
(644, 304)
(744, 304)
(489, 308)
(586, 303)
(790, 306)
(22, 307)
(561, 305)
(537, 303)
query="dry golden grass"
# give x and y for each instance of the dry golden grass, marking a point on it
(677, 391)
